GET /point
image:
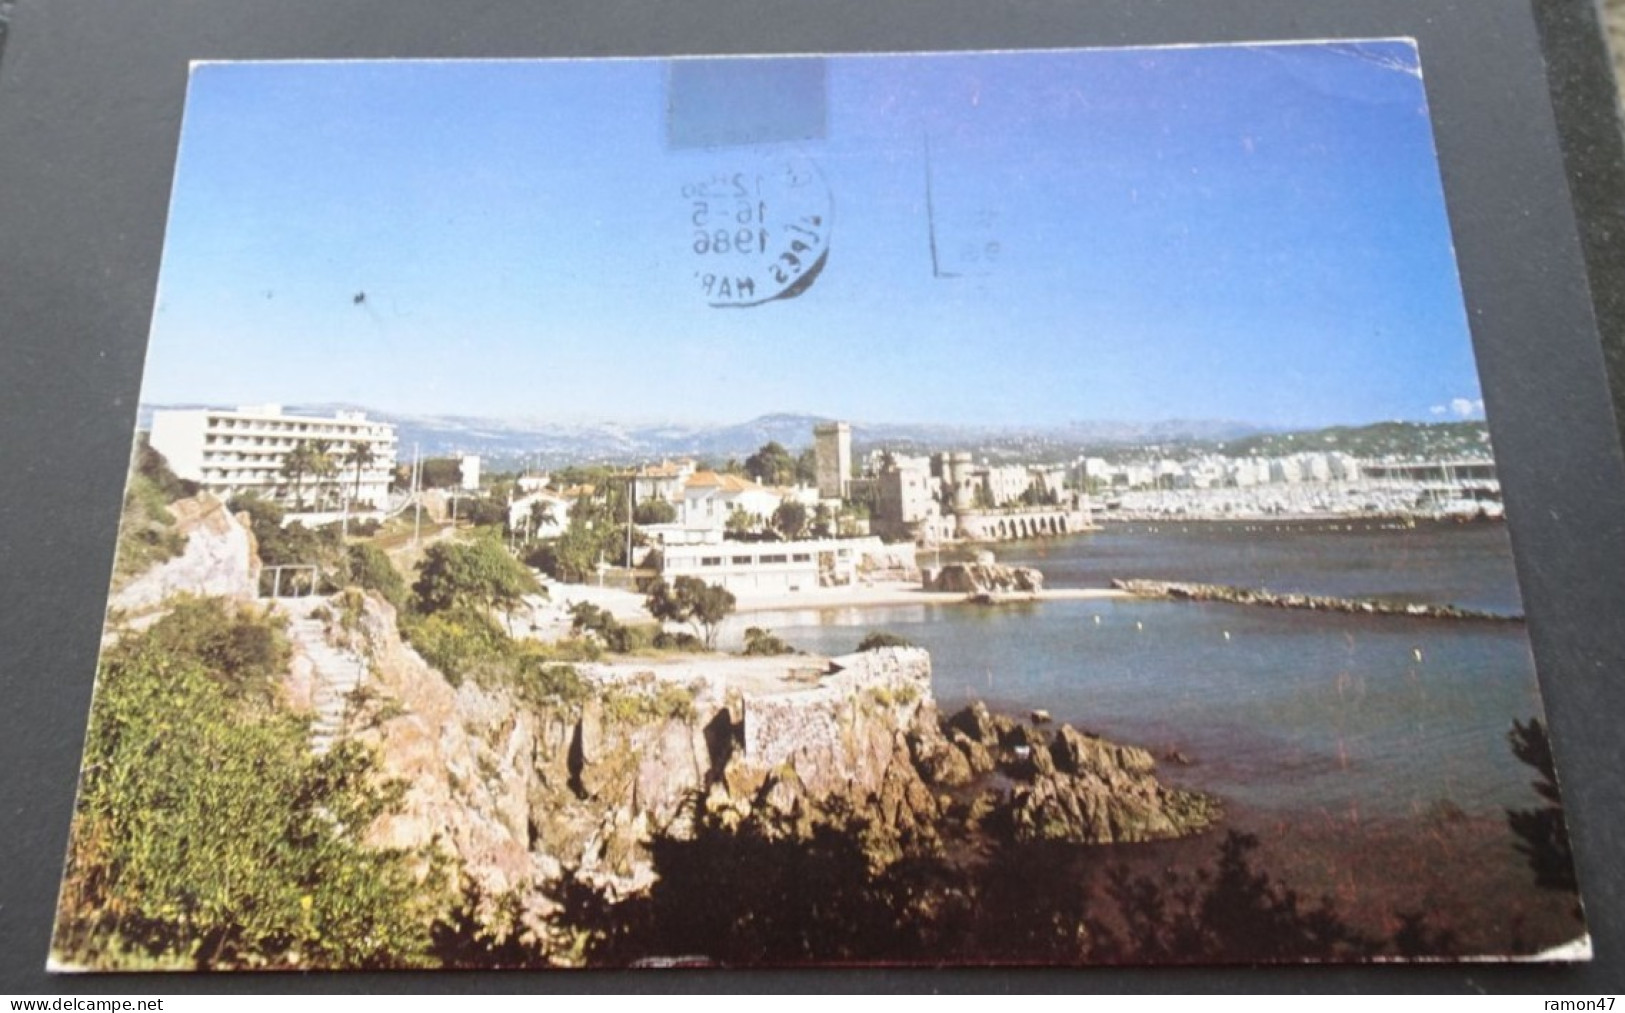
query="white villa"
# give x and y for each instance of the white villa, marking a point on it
(709, 498)
(663, 481)
(553, 520)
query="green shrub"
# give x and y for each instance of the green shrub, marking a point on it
(147, 534)
(647, 699)
(880, 638)
(209, 835)
(237, 645)
(585, 617)
(890, 696)
(550, 682)
(152, 466)
(654, 511)
(686, 642)
(295, 544)
(763, 642)
(458, 641)
(369, 568)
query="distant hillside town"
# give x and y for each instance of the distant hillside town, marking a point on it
(780, 520)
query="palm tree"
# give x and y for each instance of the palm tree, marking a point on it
(542, 514)
(359, 457)
(301, 461)
(323, 467)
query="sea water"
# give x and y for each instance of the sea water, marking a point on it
(1276, 709)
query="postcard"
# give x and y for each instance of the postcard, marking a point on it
(983, 508)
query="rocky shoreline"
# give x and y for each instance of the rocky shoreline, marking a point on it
(519, 792)
(1312, 602)
(521, 779)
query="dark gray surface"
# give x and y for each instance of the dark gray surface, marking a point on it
(90, 98)
(1585, 98)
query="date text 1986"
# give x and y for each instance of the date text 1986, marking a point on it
(757, 236)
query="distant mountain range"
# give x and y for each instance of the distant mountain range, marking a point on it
(551, 444)
(508, 443)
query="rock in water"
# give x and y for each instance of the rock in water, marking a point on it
(987, 578)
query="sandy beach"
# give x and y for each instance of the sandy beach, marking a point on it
(890, 594)
(550, 619)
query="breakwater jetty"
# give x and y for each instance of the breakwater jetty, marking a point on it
(1312, 602)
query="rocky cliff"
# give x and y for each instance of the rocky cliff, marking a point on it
(220, 559)
(518, 788)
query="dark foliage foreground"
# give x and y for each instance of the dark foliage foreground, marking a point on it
(756, 892)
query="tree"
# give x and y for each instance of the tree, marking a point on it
(485, 511)
(479, 575)
(440, 472)
(360, 457)
(771, 465)
(322, 469)
(739, 522)
(1543, 834)
(823, 522)
(542, 515)
(597, 530)
(691, 600)
(301, 461)
(654, 511)
(807, 467)
(790, 519)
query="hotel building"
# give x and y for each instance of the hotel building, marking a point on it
(245, 450)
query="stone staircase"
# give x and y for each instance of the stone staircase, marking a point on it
(336, 672)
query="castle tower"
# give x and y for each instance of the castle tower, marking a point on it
(832, 445)
(962, 481)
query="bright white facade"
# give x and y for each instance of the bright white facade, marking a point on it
(548, 522)
(663, 481)
(709, 499)
(245, 450)
(778, 567)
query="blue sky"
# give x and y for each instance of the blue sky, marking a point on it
(1253, 233)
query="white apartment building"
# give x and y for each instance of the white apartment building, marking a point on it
(246, 450)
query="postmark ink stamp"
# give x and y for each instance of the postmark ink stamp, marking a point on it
(758, 234)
